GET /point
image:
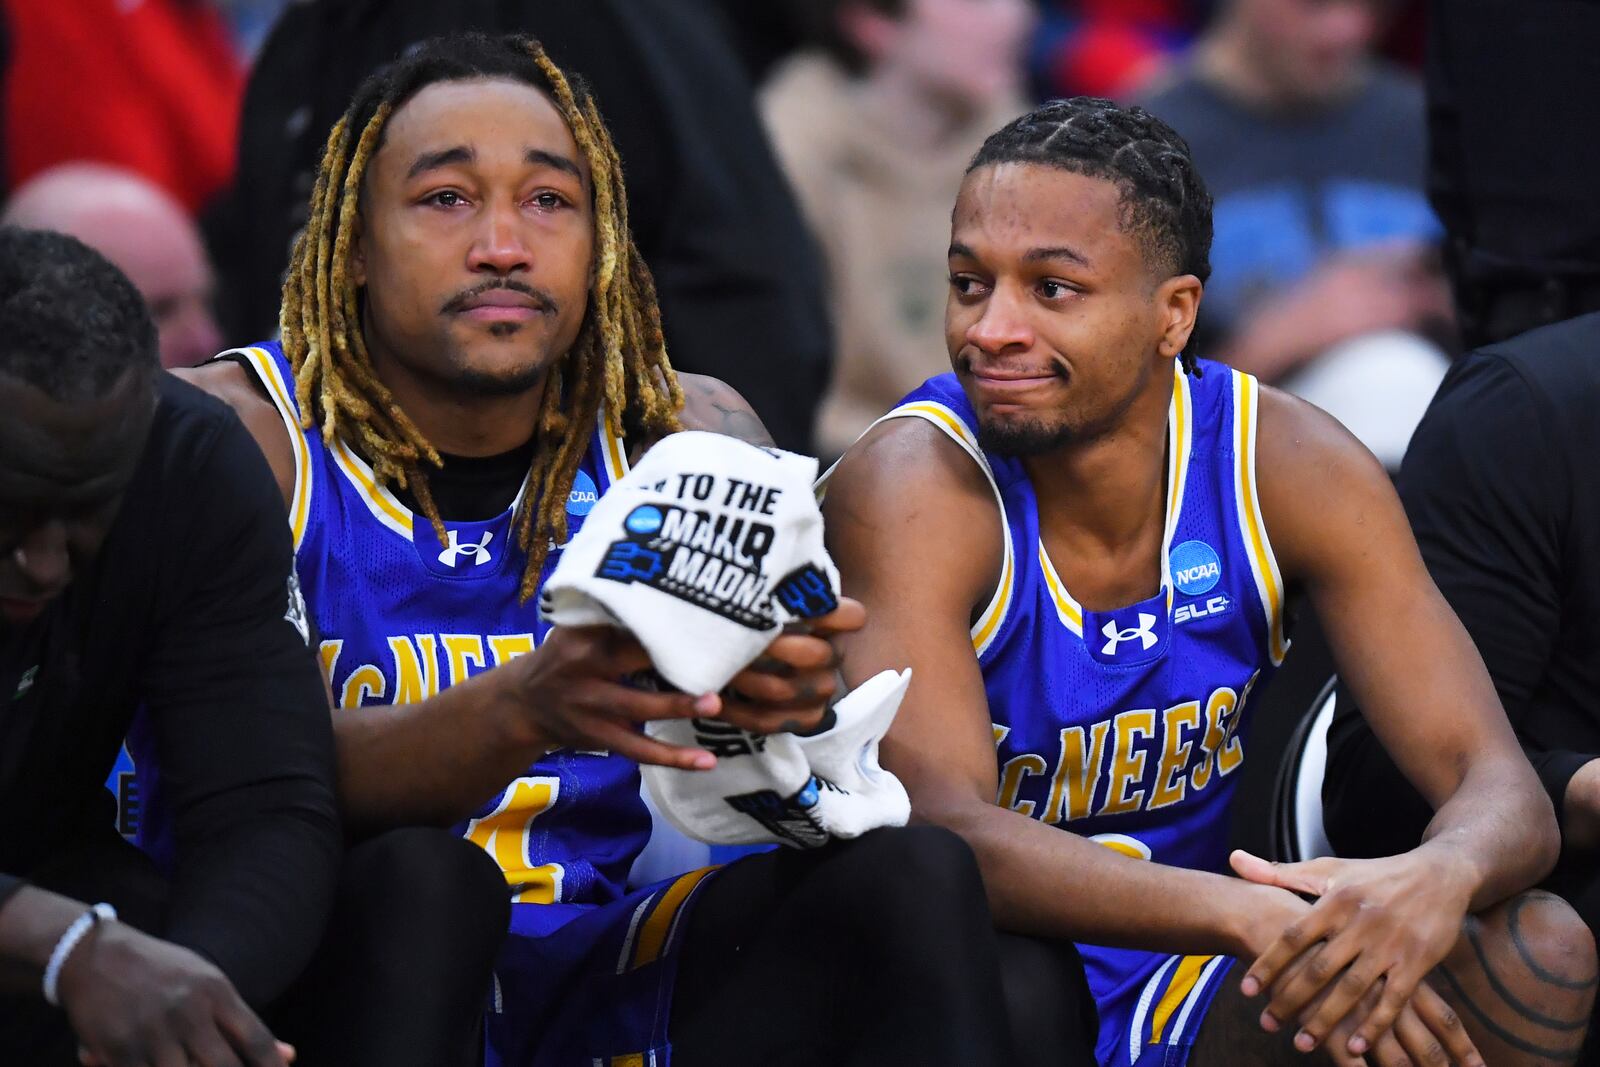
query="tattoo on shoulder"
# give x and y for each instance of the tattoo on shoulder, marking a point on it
(710, 405)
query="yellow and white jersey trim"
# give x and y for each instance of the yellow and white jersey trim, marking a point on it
(1180, 446)
(1252, 527)
(615, 449)
(1167, 1003)
(655, 921)
(951, 425)
(379, 499)
(282, 394)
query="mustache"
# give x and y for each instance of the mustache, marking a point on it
(542, 300)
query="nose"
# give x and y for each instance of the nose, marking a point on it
(500, 247)
(1001, 325)
(43, 559)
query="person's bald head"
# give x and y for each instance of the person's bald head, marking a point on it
(141, 229)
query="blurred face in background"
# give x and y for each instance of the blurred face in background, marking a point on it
(174, 276)
(145, 233)
(1310, 50)
(969, 53)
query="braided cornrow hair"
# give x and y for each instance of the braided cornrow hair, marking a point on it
(619, 357)
(1164, 202)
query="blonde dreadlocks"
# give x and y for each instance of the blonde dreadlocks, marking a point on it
(619, 358)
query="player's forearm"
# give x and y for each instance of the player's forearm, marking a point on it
(1498, 830)
(1042, 880)
(433, 762)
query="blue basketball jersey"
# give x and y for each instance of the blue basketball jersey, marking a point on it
(402, 615)
(1128, 726)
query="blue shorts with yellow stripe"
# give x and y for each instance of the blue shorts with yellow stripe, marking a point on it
(585, 985)
(1151, 1017)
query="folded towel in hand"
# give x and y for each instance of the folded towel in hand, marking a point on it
(703, 551)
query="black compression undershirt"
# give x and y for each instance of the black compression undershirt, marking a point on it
(465, 488)
(475, 488)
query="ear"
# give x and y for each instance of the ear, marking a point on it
(1177, 303)
(871, 32)
(358, 250)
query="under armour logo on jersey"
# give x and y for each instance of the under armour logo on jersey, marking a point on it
(454, 550)
(1144, 632)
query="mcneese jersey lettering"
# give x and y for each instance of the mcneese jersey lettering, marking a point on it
(402, 615)
(1128, 726)
(587, 971)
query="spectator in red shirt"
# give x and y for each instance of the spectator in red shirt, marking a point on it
(150, 85)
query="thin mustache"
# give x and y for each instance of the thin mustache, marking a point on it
(458, 302)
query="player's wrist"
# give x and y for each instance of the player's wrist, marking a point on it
(1455, 870)
(512, 708)
(1256, 916)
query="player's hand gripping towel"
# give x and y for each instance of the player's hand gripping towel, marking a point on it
(704, 551)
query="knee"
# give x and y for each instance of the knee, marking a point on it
(1537, 945)
(914, 876)
(421, 878)
(1552, 939)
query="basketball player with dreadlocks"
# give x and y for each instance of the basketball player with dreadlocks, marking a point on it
(1117, 525)
(471, 352)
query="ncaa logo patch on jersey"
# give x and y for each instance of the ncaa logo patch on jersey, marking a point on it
(584, 495)
(1196, 570)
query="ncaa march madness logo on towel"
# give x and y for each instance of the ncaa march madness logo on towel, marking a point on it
(709, 545)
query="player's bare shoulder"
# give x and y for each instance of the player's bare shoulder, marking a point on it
(1315, 480)
(714, 405)
(906, 495)
(233, 385)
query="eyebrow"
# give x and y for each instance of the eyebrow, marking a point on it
(443, 158)
(558, 162)
(1033, 255)
(1072, 255)
(448, 157)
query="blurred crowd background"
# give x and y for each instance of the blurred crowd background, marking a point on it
(791, 165)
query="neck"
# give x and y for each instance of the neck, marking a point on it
(1102, 495)
(907, 113)
(456, 421)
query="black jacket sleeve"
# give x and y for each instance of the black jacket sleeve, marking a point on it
(245, 739)
(1487, 490)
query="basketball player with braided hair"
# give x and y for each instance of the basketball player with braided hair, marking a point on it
(1118, 523)
(471, 354)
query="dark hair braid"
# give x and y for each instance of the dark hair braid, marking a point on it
(1164, 202)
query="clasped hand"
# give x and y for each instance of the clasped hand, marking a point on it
(572, 690)
(1347, 971)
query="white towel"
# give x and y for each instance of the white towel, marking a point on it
(703, 551)
(784, 789)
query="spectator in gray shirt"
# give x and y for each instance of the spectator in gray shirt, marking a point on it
(1324, 254)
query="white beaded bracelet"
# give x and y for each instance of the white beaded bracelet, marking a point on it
(75, 933)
